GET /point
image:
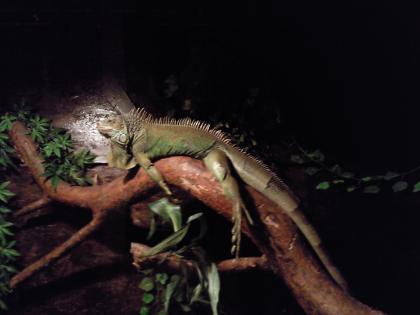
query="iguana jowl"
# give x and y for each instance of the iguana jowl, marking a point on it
(138, 138)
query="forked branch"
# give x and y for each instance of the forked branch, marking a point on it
(276, 236)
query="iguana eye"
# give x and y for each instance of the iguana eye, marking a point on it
(122, 138)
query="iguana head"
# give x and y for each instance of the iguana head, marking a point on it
(114, 128)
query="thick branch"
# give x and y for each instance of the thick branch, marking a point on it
(281, 243)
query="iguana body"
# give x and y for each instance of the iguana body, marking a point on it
(138, 138)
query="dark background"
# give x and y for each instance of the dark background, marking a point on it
(344, 77)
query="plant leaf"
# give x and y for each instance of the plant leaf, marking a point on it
(170, 289)
(312, 170)
(148, 298)
(323, 185)
(54, 181)
(297, 159)
(213, 287)
(371, 189)
(147, 284)
(416, 187)
(6, 122)
(162, 278)
(168, 212)
(351, 188)
(336, 169)
(169, 242)
(400, 186)
(317, 155)
(347, 174)
(391, 175)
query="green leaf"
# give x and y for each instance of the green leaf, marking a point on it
(146, 272)
(400, 186)
(336, 169)
(391, 175)
(416, 187)
(3, 305)
(4, 157)
(347, 175)
(54, 181)
(338, 181)
(371, 189)
(162, 278)
(297, 159)
(4, 185)
(6, 122)
(317, 155)
(170, 289)
(4, 210)
(168, 212)
(312, 170)
(169, 242)
(351, 188)
(3, 139)
(147, 284)
(152, 228)
(148, 298)
(323, 185)
(194, 217)
(9, 252)
(5, 194)
(144, 310)
(197, 292)
(367, 178)
(213, 287)
(56, 150)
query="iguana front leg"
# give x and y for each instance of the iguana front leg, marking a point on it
(218, 164)
(144, 161)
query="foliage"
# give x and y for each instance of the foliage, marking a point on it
(186, 290)
(314, 163)
(165, 211)
(61, 162)
(5, 148)
(8, 253)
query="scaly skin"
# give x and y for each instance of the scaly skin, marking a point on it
(138, 138)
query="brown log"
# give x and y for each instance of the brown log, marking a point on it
(276, 237)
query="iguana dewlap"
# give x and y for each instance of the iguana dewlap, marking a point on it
(138, 138)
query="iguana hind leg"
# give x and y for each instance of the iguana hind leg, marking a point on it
(218, 164)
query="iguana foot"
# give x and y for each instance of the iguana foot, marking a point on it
(217, 163)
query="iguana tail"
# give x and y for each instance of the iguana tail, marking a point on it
(254, 173)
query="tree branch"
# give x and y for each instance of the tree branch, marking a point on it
(173, 262)
(33, 206)
(276, 236)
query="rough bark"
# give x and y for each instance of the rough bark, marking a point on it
(275, 236)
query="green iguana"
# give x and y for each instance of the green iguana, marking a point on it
(138, 138)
